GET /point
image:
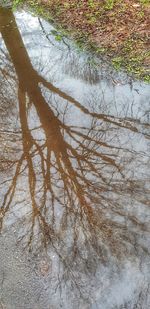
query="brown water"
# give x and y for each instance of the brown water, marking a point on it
(74, 175)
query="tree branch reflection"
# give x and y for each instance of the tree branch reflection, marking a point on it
(76, 180)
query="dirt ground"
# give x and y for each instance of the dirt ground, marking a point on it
(120, 29)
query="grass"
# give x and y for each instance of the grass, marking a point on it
(116, 28)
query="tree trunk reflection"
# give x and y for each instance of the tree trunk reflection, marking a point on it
(73, 169)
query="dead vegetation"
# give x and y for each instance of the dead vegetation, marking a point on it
(117, 28)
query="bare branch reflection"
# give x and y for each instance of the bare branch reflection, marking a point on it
(76, 179)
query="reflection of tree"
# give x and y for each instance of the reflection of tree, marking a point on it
(70, 168)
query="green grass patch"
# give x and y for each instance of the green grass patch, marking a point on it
(130, 54)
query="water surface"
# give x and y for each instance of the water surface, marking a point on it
(74, 175)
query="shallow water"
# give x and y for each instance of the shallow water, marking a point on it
(74, 175)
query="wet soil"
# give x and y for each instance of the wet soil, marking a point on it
(117, 30)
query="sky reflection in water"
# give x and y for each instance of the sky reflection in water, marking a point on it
(74, 168)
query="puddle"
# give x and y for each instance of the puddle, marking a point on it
(74, 175)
